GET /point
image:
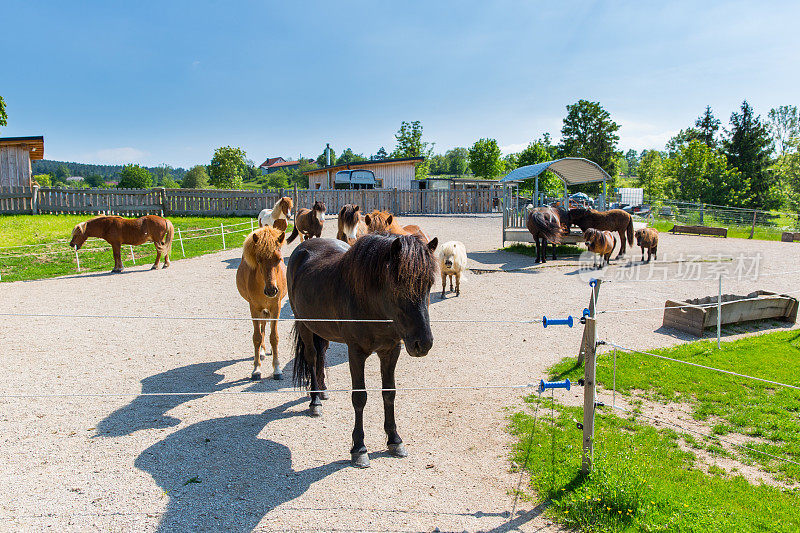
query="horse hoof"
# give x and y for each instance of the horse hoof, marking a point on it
(277, 376)
(153, 267)
(315, 411)
(359, 459)
(398, 450)
(324, 395)
(255, 376)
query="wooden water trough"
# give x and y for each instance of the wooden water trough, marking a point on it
(699, 230)
(693, 316)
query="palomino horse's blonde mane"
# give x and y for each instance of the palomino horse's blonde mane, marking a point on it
(261, 244)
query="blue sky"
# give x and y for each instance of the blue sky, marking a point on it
(153, 82)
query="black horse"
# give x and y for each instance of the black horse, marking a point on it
(380, 277)
(547, 224)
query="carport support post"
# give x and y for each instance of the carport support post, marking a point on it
(589, 396)
(603, 207)
(536, 193)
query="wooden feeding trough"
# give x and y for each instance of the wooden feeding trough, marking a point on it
(693, 316)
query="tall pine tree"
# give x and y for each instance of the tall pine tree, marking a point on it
(707, 125)
(748, 149)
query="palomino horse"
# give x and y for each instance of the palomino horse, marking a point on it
(546, 225)
(601, 243)
(261, 280)
(118, 231)
(613, 220)
(381, 277)
(281, 211)
(385, 222)
(351, 224)
(309, 222)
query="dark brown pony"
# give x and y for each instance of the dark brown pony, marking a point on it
(351, 224)
(648, 238)
(261, 280)
(381, 277)
(546, 224)
(613, 220)
(385, 222)
(309, 222)
(118, 231)
(601, 243)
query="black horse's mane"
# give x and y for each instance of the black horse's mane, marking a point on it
(404, 263)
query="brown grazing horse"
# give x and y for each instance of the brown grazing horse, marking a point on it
(384, 222)
(613, 220)
(309, 222)
(601, 243)
(381, 277)
(261, 280)
(546, 224)
(351, 224)
(118, 231)
(648, 238)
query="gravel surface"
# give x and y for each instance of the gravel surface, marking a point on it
(258, 462)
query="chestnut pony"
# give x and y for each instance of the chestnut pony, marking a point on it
(261, 280)
(381, 277)
(309, 222)
(601, 243)
(612, 220)
(118, 231)
(351, 224)
(385, 222)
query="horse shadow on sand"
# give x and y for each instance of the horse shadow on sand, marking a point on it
(220, 475)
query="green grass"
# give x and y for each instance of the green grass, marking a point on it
(55, 258)
(641, 480)
(762, 233)
(530, 249)
(768, 413)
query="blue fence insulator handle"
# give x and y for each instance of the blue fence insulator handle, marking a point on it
(592, 282)
(553, 385)
(586, 312)
(557, 321)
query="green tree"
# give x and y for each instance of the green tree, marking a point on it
(161, 173)
(787, 167)
(382, 154)
(135, 177)
(170, 183)
(537, 152)
(484, 159)
(195, 178)
(651, 175)
(681, 139)
(228, 168)
(62, 173)
(785, 125)
(702, 175)
(707, 125)
(457, 161)
(3, 114)
(42, 179)
(321, 159)
(589, 132)
(410, 144)
(438, 165)
(277, 180)
(632, 159)
(748, 148)
(252, 172)
(94, 180)
(349, 157)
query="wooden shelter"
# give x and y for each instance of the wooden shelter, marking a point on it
(16, 154)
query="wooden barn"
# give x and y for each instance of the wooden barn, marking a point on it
(389, 173)
(16, 154)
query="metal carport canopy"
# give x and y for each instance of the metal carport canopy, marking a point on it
(571, 170)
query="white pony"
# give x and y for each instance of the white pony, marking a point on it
(282, 210)
(452, 262)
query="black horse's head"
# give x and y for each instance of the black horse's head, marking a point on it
(397, 274)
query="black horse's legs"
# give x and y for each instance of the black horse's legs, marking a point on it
(388, 364)
(358, 453)
(554, 250)
(310, 354)
(322, 347)
(536, 240)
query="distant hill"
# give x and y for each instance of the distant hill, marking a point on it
(109, 172)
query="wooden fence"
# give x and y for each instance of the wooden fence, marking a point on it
(217, 202)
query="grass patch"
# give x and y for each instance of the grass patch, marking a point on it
(55, 258)
(768, 413)
(641, 481)
(762, 233)
(530, 249)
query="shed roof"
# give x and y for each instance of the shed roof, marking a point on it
(571, 170)
(34, 144)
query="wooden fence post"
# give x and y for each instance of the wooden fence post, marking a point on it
(753, 227)
(164, 203)
(589, 396)
(586, 342)
(394, 200)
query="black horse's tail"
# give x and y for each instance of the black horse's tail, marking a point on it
(547, 225)
(293, 236)
(301, 373)
(630, 232)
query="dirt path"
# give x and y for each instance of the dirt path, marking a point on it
(245, 462)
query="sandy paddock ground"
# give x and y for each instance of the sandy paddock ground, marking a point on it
(258, 462)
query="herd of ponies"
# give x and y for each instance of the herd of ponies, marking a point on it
(369, 288)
